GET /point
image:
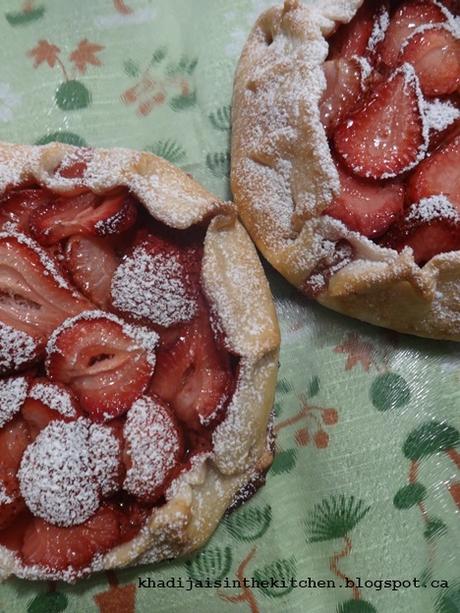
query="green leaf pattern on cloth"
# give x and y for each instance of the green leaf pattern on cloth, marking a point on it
(366, 480)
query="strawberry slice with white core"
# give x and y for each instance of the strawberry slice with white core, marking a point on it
(34, 298)
(343, 88)
(387, 135)
(194, 375)
(435, 55)
(66, 469)
(86, 213)
(438, 174)
(154, 283)
(105, 361)
(17, 206)
(92, 262)
(406, 20)
(353, 38)
(367, 207)
(59, 548)
(153, 449)
(13, 393)
(430, 227)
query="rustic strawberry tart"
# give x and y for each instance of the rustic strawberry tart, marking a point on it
(138, 358)
(346, 156)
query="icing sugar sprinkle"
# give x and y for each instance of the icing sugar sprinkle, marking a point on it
(106, 450)
(60, 472)
(55, 397)
(153, 444)
(13, 393)
(16, 348)
(379, 30)
(434, 207)
(151, 286)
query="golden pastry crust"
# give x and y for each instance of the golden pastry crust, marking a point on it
(237, 290)
(283, 178)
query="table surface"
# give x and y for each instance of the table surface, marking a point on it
(366, 479)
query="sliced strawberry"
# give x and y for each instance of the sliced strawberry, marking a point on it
(12, 536)
(48, 402)
(57, 548)
(407, 18)
(107, 363)
(438, 174)
(157, 282)
(92, 262)
(352, 39)
(34, 299)
(435, 55)
(429, 228)
(153, 449)
(194, 375)
(17, 205)
(11, 501)
(86, 213)
(343, 90)
(366, 206)
(385, 136)
(14, 438)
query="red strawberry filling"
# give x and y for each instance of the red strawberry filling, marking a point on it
(119, 399)
(105, 361)
(86, 213)
(406, 20)
(395, 141)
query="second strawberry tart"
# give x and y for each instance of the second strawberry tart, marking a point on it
(346, 156)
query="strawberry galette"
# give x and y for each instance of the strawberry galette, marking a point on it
(138, 358)
(346, 156)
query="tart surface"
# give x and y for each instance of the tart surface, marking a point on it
(138, 361)
(345, 154)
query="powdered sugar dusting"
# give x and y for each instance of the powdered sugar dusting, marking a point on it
(153, 445)
(432, 208)
(151, 286)
(13, 392)
(56, 476)
(16, 348)
(439, 114)
(453, 22)
(13, 161)
(55, 397)
(379, 30)
(105, 455)
(67, 467)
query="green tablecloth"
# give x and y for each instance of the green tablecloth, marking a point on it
(366, 481)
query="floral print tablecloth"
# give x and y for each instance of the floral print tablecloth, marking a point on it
(365, 487)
